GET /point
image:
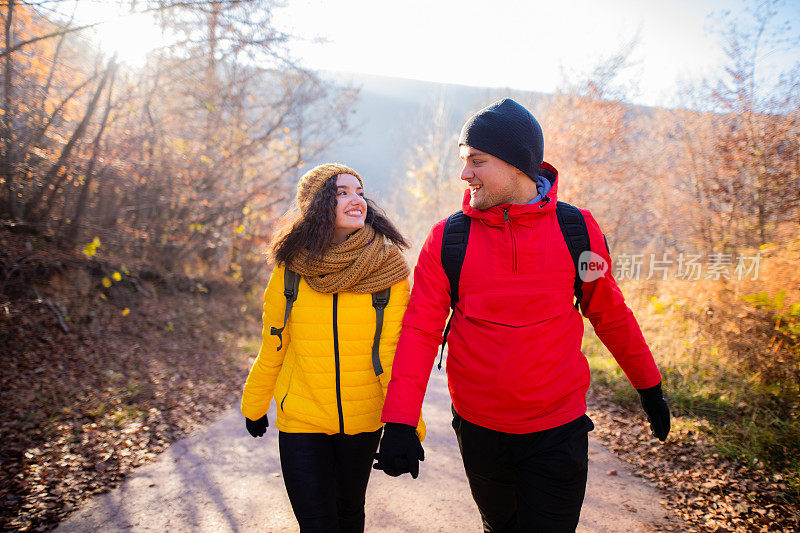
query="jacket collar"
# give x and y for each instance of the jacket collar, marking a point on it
(518, 213)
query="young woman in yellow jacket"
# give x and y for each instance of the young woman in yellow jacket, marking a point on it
(320, 361)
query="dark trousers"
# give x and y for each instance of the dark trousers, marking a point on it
(527, 482)
(326, 478)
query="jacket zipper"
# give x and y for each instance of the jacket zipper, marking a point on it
(513, 240)
(336, 363)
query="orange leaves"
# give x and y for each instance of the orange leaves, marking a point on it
(169, 154)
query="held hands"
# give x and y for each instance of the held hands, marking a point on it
(400, 451)
(657, 411)
(257, 428)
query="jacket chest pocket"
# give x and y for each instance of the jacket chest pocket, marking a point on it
(515, 308)
(287, 387)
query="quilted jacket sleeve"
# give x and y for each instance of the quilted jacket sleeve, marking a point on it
(613, 321)
(258, 388)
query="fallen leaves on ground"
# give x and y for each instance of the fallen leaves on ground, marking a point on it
(703, 491)
(82, 408)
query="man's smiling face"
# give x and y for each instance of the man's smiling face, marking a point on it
(491, 180)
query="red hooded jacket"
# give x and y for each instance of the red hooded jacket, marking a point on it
(514, 361)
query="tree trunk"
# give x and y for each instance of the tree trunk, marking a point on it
(72, 232)
(7, 166)
(57, 173)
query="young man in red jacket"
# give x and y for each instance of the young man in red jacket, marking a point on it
(516, 374)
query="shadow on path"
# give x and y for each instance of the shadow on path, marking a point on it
(223, 480)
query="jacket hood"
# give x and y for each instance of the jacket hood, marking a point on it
(519, 213)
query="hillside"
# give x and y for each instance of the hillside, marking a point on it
(391, 114)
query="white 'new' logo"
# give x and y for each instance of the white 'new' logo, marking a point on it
(591, 266)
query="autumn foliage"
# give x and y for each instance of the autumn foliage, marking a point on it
(182, 163)
(134, 204)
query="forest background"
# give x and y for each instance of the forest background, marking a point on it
(137, 205)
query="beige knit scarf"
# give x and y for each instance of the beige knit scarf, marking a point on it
(363, 263)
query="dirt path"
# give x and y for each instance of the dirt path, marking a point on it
(224, 480)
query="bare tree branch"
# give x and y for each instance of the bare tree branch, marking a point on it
(11, 49)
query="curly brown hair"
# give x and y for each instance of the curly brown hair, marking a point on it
(313, 231)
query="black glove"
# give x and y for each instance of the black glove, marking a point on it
(400, 451)
(257, 428)
(657, 411)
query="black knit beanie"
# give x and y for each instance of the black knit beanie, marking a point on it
(508, 131)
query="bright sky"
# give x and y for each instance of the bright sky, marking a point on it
(514, 43)
(519, 44)
(130, 36)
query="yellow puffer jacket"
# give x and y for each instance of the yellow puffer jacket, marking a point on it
(313, 392)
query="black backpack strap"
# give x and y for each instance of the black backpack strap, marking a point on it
(454, 249)
(379, 301)
(576, 235)
(291, 283)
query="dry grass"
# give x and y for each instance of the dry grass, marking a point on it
(729, 354)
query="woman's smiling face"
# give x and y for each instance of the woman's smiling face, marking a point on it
(351, 208)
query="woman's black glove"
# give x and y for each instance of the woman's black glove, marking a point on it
(657, 411)
(400, 450)
(257, 428)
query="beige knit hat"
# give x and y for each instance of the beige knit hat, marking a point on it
(313, 180)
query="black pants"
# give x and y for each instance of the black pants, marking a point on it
(526, 482)
(326, 478)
